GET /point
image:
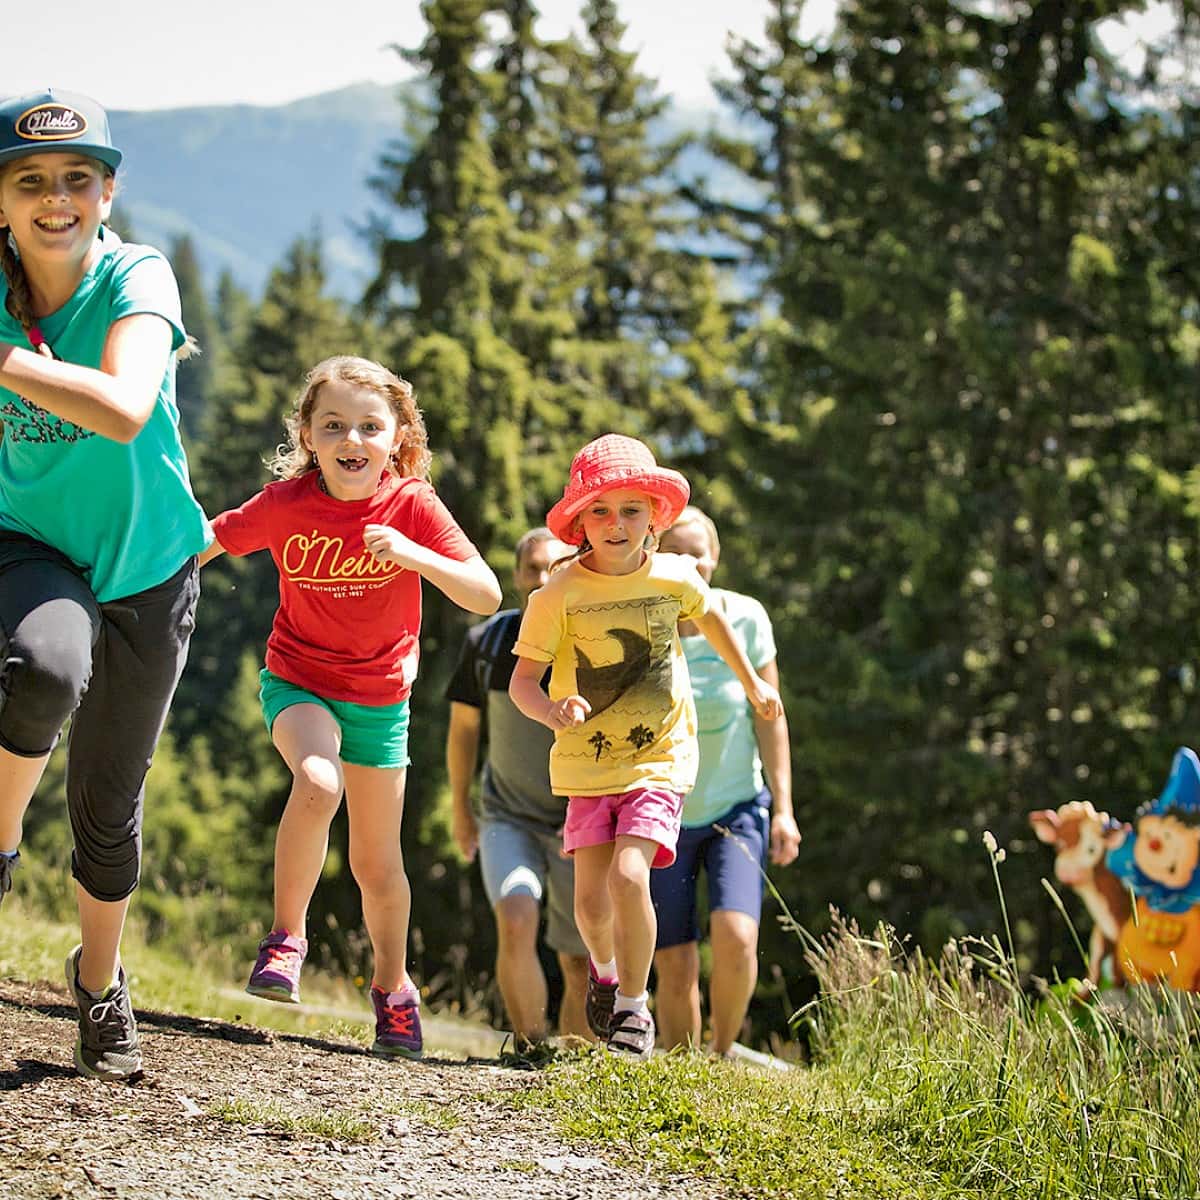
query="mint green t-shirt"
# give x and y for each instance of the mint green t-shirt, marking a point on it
(730, 767)
(125, 514)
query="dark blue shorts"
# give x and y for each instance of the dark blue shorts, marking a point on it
(733, 863)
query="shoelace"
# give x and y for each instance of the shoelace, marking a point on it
(112, 1025)
(280, 956)
(401, 1019)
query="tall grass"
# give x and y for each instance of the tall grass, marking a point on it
(1002, 1095)
(936, 1078)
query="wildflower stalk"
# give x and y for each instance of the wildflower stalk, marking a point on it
(996, 855)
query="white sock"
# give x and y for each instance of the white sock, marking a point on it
(606, 970)
(630, 1003)
(98, 995)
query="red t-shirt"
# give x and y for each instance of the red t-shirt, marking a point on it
(347, 626)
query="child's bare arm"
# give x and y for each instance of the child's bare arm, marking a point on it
(775, 749)
(471, 584)
(764, 699)
(525, 690)
(115, 399)
(214, 549)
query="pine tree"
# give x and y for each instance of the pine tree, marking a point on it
(957, 362)
(455, 291)
(195, 373)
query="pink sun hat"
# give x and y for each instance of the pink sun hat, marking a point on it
(616, 463)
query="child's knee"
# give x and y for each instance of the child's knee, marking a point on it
(592, 905)
(628, 877)
(379, 871)
(42, 683)
(317, 785)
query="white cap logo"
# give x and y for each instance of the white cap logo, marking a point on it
(50, 123)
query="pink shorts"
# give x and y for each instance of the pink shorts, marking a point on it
(651, 813)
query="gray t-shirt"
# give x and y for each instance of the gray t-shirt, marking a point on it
(516, 773)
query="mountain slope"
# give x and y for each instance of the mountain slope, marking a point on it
(245, 181)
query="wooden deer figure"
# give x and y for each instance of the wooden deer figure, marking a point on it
(1081, 838)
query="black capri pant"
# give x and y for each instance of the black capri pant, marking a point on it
(115, 666)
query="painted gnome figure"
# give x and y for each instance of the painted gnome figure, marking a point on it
(1160, 942)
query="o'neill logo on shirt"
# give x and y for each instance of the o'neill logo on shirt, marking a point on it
(318, 558)
(50, 123)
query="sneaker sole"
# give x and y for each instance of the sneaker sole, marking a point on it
(108, 1076)
(276, 994)
(397, 1052)
(628, 1052)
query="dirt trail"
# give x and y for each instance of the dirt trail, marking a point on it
(238, 1113)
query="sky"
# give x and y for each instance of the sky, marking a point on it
(142, 54)
(145, 54)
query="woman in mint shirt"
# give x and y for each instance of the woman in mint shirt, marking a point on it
(732, 820)
(99, 530)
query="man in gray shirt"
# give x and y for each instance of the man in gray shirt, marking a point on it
(516, 825)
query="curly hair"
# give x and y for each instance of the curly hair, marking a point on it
(411, 455)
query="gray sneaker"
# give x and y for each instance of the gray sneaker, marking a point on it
(108, 1040)
(8, 864)
(632, 1033)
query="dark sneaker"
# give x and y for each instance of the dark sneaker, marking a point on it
(276, 974)
(526, 1055)
(108, 1040)
(632, 1033)
(397, 1024)
(8, 864)
(599, 1002)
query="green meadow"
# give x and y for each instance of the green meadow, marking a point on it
(923, 1078)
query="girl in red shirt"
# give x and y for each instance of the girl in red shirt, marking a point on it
(353, 527)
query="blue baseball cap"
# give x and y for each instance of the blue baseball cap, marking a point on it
(55, 120)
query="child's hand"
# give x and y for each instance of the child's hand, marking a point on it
(567, 712)
(765, 701)
(388, 545)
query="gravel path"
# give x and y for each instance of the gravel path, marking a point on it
(238, 1113)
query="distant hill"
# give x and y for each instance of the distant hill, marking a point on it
(245, 181)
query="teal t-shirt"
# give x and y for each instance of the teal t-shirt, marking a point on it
(730, 767)
(125, 514)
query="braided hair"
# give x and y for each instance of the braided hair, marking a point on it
(19, 301)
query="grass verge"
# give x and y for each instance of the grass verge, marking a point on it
(930, 1080)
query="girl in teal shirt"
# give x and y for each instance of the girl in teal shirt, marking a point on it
(99, 530)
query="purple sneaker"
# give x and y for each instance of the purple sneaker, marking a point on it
(9, 861)
(276, 974)
(397, 1023)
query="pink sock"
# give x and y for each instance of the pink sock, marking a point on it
(406, 993)
(605, 972)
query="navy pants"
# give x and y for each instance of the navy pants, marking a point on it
(114, 666)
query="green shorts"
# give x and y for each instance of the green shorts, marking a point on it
(373, 735)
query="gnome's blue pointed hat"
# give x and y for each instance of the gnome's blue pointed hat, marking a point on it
(1180, 797)
(1182, 790)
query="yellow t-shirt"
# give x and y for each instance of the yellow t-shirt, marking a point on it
(613, 640)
